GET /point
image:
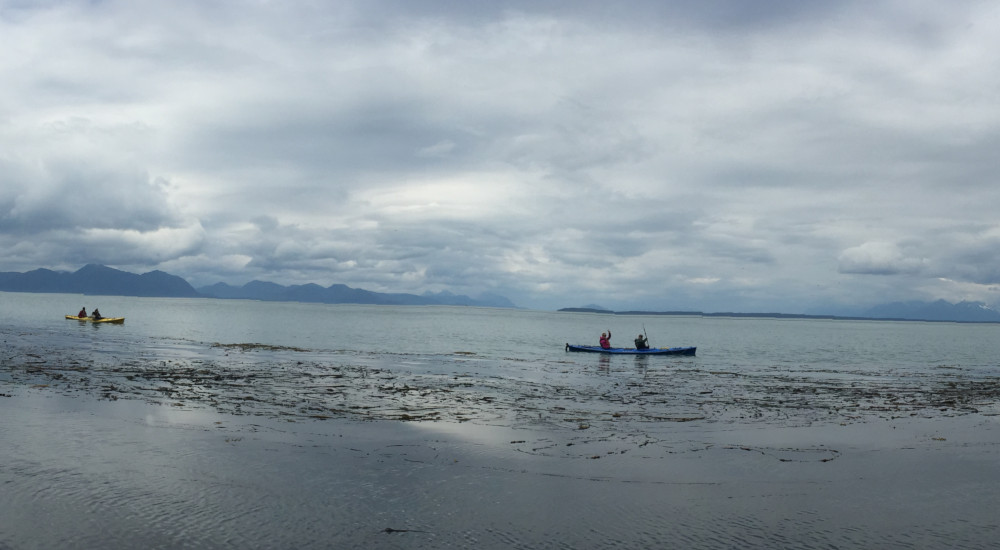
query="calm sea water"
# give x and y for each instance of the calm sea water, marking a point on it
(499, 334)
(764, 439)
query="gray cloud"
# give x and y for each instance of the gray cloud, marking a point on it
(707, 155)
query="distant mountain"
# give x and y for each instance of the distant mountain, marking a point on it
(962, 312)
(101, 280)
(447, 298)
(343, 294)
(586, 310)
(98, 280)
(972, 312)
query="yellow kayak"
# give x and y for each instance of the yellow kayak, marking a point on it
(117, 320)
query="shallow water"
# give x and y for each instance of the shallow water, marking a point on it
(83, 473)
(216, 424)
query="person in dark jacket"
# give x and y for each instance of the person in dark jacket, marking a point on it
(641, 342)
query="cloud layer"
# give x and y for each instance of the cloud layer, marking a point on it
(724, 155)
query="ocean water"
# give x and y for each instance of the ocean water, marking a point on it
(792, 370)
(500, 334)
(218, 424)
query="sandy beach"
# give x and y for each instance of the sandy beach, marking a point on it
(82, 472)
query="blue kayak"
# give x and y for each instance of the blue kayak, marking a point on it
(633, 351)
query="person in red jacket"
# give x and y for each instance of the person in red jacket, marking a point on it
(83, 312)
(606, 340)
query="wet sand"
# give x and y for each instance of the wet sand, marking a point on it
(237, 447)
(78, 472)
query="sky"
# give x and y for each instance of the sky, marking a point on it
(709, 155)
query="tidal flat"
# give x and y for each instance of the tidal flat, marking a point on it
(236, 446)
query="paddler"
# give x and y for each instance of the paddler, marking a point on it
(606, 339)
(641, 342)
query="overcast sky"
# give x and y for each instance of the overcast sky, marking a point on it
(712, 155)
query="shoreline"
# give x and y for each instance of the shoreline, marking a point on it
(116, 472)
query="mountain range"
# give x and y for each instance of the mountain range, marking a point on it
(96, 279)
(102, 280)
(973, 312)
(343, 294)
(962, 312)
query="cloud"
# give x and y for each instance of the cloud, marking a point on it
(776, 155)
(877, 258)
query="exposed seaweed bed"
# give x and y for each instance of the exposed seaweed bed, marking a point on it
(293, 383)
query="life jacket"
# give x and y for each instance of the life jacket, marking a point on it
(605, 343)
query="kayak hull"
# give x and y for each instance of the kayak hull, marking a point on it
(633, 351)
(114, 320)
